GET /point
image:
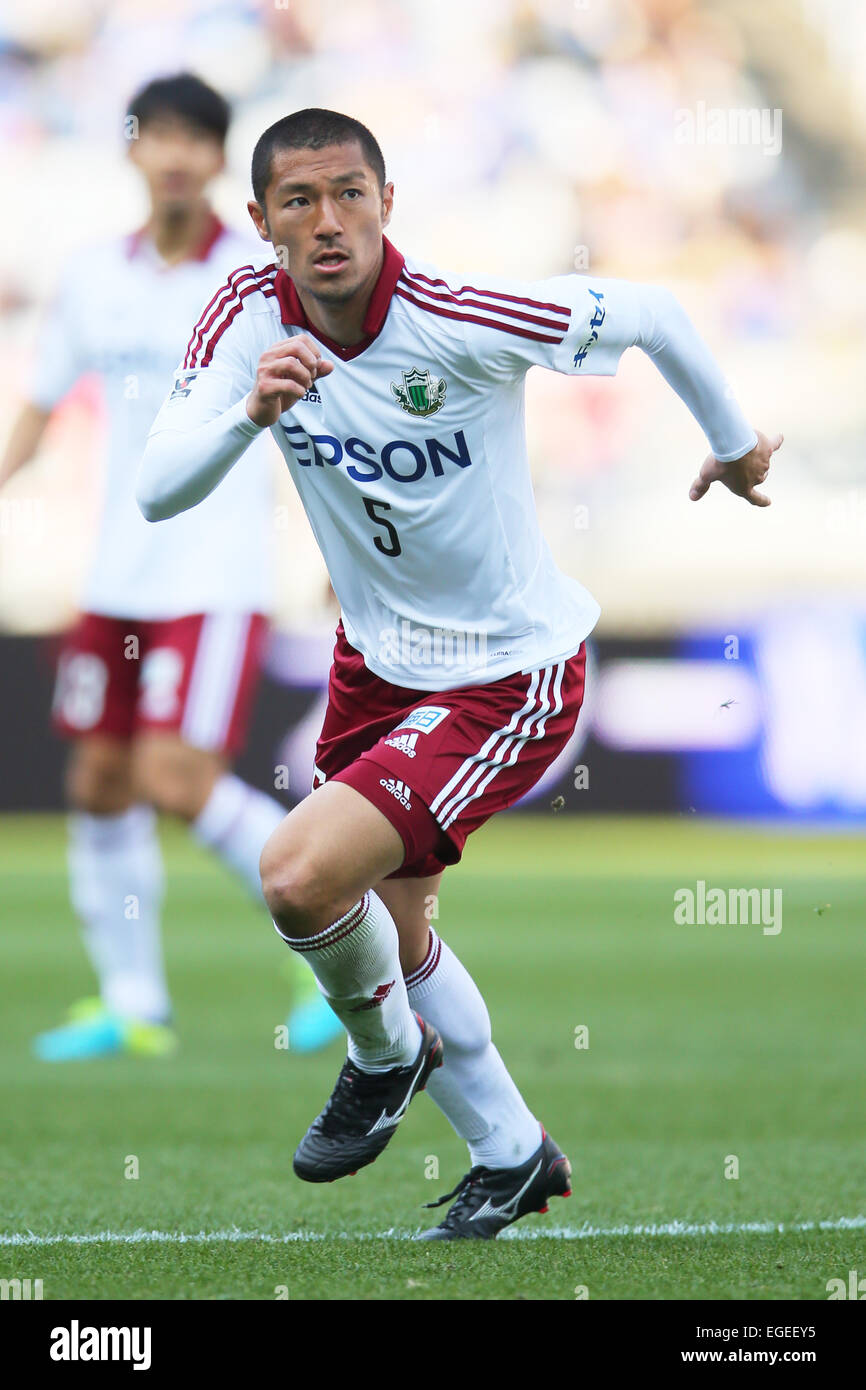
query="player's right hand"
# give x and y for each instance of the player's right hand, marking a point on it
(285, 372)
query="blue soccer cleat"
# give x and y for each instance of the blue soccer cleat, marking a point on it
(311, 1023)
(92, 1031)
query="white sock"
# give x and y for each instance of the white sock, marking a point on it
(235, 823)
(472, 1087)
(116, 885)
(356, 961)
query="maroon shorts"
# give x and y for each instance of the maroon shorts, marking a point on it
(193, 675)
(439, 765)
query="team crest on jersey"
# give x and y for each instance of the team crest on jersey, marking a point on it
(420, 394)
(182, 384)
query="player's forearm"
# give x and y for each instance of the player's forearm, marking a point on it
(669, 337)
(179, 468)
(24, 440)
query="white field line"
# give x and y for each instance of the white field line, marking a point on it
(584, 1232)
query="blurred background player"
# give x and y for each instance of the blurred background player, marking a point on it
(155, 682)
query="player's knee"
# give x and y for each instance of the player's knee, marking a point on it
(98, 785)
(170, 795)
(161, 787)
(176, 780)
(298, 895)
(291, 895)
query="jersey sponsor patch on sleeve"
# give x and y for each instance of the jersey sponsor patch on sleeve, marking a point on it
(424, 718)
(183, 383)
(599, 314)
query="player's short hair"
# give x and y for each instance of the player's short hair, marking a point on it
(312, 129)
(183, 95)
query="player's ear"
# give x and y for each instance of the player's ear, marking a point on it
(259, 220)
(387, 203)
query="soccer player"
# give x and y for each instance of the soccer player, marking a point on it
(156, 680)
(395, 391)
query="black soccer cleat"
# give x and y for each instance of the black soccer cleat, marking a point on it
(362, 1114)
(489, 1199)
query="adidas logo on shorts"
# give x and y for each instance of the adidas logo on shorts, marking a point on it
(405, 743)
(398, 789)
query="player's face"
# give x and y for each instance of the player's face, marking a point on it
(326, 208)
(177, 160)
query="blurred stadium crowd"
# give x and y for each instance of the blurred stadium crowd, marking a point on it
(530, 137)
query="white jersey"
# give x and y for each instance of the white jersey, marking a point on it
(123, 314)
(410, 457)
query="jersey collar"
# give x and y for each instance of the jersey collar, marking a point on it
(292, 310)
(138, 242)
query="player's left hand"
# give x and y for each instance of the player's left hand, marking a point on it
(742, 475)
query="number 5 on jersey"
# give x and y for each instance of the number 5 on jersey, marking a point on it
(393, 546)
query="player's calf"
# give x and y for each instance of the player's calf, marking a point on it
(318, 869)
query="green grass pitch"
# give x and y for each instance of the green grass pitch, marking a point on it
(706, 1043)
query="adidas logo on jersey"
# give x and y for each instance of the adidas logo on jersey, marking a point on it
(405, 743)
(398, 789)
(312, 396)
